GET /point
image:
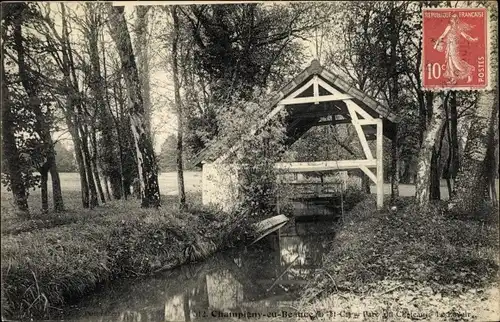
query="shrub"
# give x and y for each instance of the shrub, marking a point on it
(258, 152)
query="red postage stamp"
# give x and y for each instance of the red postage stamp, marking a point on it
(455, 49)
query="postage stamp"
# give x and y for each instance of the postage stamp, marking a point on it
(455, 49)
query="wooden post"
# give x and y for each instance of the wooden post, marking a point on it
(380, 165)
(315, 89)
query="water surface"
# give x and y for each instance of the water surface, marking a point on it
(259, 282)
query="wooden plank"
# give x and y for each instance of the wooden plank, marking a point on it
(369, 173)
(324, 165)
(301, 89)
(269, 223)
(325, 98)
(380, 165)
(315, 88)
(328, 87)
(364, 114)
(367, 122)
(268, 232)
(359, 130)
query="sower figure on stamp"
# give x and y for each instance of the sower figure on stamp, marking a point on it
(456, 67)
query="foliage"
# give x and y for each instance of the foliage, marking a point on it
(260, 146)
(32, 108)
(167, 158)
(231, 50)
(65, 158)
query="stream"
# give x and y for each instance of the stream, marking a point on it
(259, 282)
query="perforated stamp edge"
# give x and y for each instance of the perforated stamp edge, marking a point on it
(489, 44)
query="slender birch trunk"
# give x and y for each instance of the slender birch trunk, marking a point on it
(145, 157)
(56, 188)
(142, 51)
(178, 105)
(425, 154)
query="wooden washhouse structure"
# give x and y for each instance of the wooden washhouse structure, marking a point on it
(312, 95)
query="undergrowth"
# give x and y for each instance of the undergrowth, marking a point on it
(45, 268)
(425, 253)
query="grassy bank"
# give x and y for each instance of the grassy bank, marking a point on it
(51, 260)
(409, 265)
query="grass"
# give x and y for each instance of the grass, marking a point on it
(429, 263)
(47, 262)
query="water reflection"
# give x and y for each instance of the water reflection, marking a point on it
(265, 278)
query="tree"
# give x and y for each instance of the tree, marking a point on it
(425, 154)
(178, 107)
(10, 150)
(167, 159)
(145, 157)
(142, 45)
(39, 105)
(236, 49)
(479, 168)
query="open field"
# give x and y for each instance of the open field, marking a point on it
(70, 181)
(192, 181)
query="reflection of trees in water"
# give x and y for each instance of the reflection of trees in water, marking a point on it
(303, 253)
(174, 308)
(290, 248)
(224, 291)
(224, 282)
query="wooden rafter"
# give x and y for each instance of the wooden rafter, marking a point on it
(359, 130)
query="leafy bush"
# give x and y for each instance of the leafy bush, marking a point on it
(258, 152)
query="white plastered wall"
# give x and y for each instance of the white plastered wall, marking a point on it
(219, 185)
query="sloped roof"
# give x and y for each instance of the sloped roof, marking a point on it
(367, 103)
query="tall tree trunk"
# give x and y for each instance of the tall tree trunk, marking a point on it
(472, 183)
(44, 174)
(394, 96)
(146, 160)
(119, 102)
(56, 188)
(95, 168)
(115, 177)
(106, 187)
(425, 153)
(75, 136)
(88, 168)
(142, 45)
(491, 160)
(70, 111)
(42, 126)
(455, 157)
(10, 150)
(435, 188)
(103, 113)
(178, 105)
